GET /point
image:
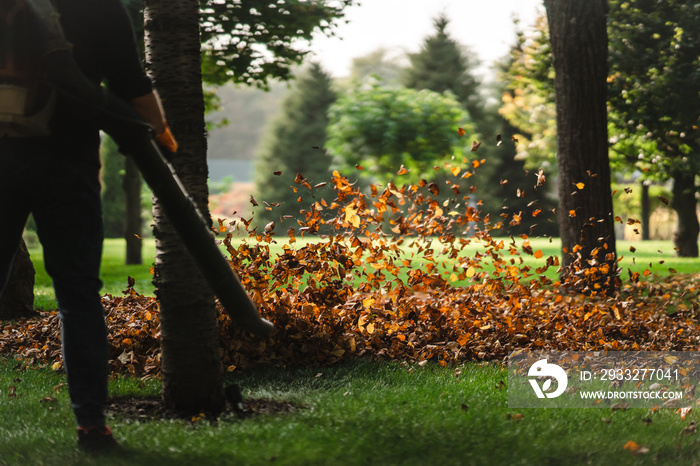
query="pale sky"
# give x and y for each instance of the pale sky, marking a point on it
(485, 26)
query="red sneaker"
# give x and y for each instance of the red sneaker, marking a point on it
(96, 439)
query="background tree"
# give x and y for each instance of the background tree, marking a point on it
(579, 53)
(441, 65)
(383, 129)
(655, 96)
(18, 297)
(249, 41)
(133, 218)
(528, 100)
(295, 145)
(380, 64)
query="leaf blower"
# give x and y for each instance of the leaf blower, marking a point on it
(136, 138)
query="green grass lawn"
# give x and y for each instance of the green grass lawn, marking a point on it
(361, 412)
(657, 256)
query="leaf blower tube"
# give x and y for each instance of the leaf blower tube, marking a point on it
(136, 138)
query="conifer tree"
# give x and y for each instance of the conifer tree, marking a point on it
(294, 145)
(441, 65)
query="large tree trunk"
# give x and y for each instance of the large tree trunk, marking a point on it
(191, 366)
(133, 224)
(685, 238)
(18, 297)
(579, 53)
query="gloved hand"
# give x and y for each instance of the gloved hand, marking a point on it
(167, 140)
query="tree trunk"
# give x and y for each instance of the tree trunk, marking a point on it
(18, 297)
(133, 227)
(646, 212)
(579, 53)
(685, 238)
(191, 366)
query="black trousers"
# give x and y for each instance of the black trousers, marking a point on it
(57, 180)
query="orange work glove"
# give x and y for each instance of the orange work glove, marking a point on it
(167, 140)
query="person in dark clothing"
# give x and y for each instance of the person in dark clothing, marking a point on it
(56, 178)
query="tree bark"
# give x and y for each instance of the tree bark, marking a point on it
(133, 224)
(685, 238)
(579, 53)
(191, 366)
(18, 297)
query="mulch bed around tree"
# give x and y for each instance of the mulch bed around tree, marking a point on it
(144, 409)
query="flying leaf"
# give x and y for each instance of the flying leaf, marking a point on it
(541, 178)
(351, 216)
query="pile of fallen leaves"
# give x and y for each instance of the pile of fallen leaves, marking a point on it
(397, 274)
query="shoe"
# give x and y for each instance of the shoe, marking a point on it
(97, 439)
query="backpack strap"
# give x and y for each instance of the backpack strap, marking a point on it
(18, 41)
(51, 36)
